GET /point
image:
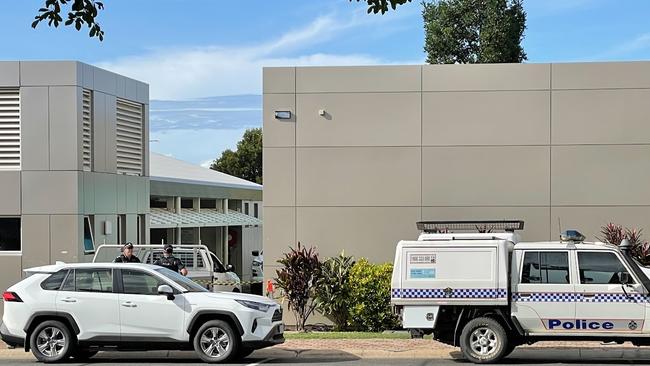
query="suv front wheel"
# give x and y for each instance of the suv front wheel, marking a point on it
(215, 341)
(51, 341)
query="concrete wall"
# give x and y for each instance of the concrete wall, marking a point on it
(51, 193)
(398, 144)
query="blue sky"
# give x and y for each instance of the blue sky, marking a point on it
(203, 62)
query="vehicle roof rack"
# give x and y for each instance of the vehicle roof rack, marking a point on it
(481, 226)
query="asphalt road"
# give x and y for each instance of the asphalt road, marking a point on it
(544, 357)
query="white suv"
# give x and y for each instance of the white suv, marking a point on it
(74, 310)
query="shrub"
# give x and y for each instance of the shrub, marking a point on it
(333, 290)
(614, 234)
(370, 296)
(297, 279)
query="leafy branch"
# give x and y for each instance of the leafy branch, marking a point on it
(82, 12)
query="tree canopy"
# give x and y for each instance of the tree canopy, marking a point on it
(79, 13)
(246, 161)
(474, 31)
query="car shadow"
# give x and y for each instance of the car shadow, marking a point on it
(566, 355)
(188, 357)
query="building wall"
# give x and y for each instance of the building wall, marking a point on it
(398, 144)
(51, 192)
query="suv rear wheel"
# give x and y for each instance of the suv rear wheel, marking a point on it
(484, 340)
(51, 341)
(215, 341)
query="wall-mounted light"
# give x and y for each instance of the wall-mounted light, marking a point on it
(282, 114)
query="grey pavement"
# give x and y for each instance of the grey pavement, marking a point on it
(545, 356)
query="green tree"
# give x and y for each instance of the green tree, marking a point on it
(381, 6)
(474, 31)
(79, 13)
(246, 161)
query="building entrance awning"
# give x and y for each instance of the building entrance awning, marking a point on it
(162, 218)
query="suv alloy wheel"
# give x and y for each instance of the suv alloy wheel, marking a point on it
(51, 341)
(215, 341)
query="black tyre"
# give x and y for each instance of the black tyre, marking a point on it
(215, 341)
(483, 340)
(83, 354)
(51, 341)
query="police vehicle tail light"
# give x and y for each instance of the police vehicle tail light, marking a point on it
(11, 297)
(481, 226)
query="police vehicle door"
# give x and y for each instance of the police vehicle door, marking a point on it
(605, 304)
(544, 291)
(144, 314)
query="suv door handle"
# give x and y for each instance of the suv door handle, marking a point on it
(129, 304)
(69, 299)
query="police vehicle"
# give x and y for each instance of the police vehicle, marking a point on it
(203, 266)
(67, 311)
(488, 293)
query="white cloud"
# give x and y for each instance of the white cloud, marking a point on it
(181, 73)
(207, 164)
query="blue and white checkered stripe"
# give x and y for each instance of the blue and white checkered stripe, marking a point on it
(463, 293)
(577, 297)
(545, 297)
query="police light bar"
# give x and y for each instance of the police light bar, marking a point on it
(481, 226)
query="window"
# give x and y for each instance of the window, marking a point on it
(546, 267)
(9, 234)
(54, 281)
(89, 280)
(121, 229)
(246, 208)
(179, 279)
(256, 210)
(141, 229)
(187, 203)
(599, 268)
(87, 130)
(10, 129)
(140, 283)
(129, 137)
(89, 241)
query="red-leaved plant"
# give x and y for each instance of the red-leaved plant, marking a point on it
(297, 279)
(615, 234)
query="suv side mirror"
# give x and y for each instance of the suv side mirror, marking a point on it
(255, 253)
(166, 290)
(230, 268)
(625, 278)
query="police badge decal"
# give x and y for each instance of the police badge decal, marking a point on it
(632, 325)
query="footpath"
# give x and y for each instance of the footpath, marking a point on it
(353, 349)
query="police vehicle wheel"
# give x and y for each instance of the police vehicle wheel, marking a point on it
(51, 341)
(483, 340)
(215, 341)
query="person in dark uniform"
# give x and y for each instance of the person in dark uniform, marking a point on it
(127, 255)
(169, 261)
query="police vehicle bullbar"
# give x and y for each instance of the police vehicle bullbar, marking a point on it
(488, 293)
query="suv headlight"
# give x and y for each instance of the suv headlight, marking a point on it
(255, 305)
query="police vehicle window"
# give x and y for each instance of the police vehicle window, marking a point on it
(140, 283)
(54, 281)
(187, 284)
(94, 280)
(599, 268)
(546, 267)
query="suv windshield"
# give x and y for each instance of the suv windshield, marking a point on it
(184, 282)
